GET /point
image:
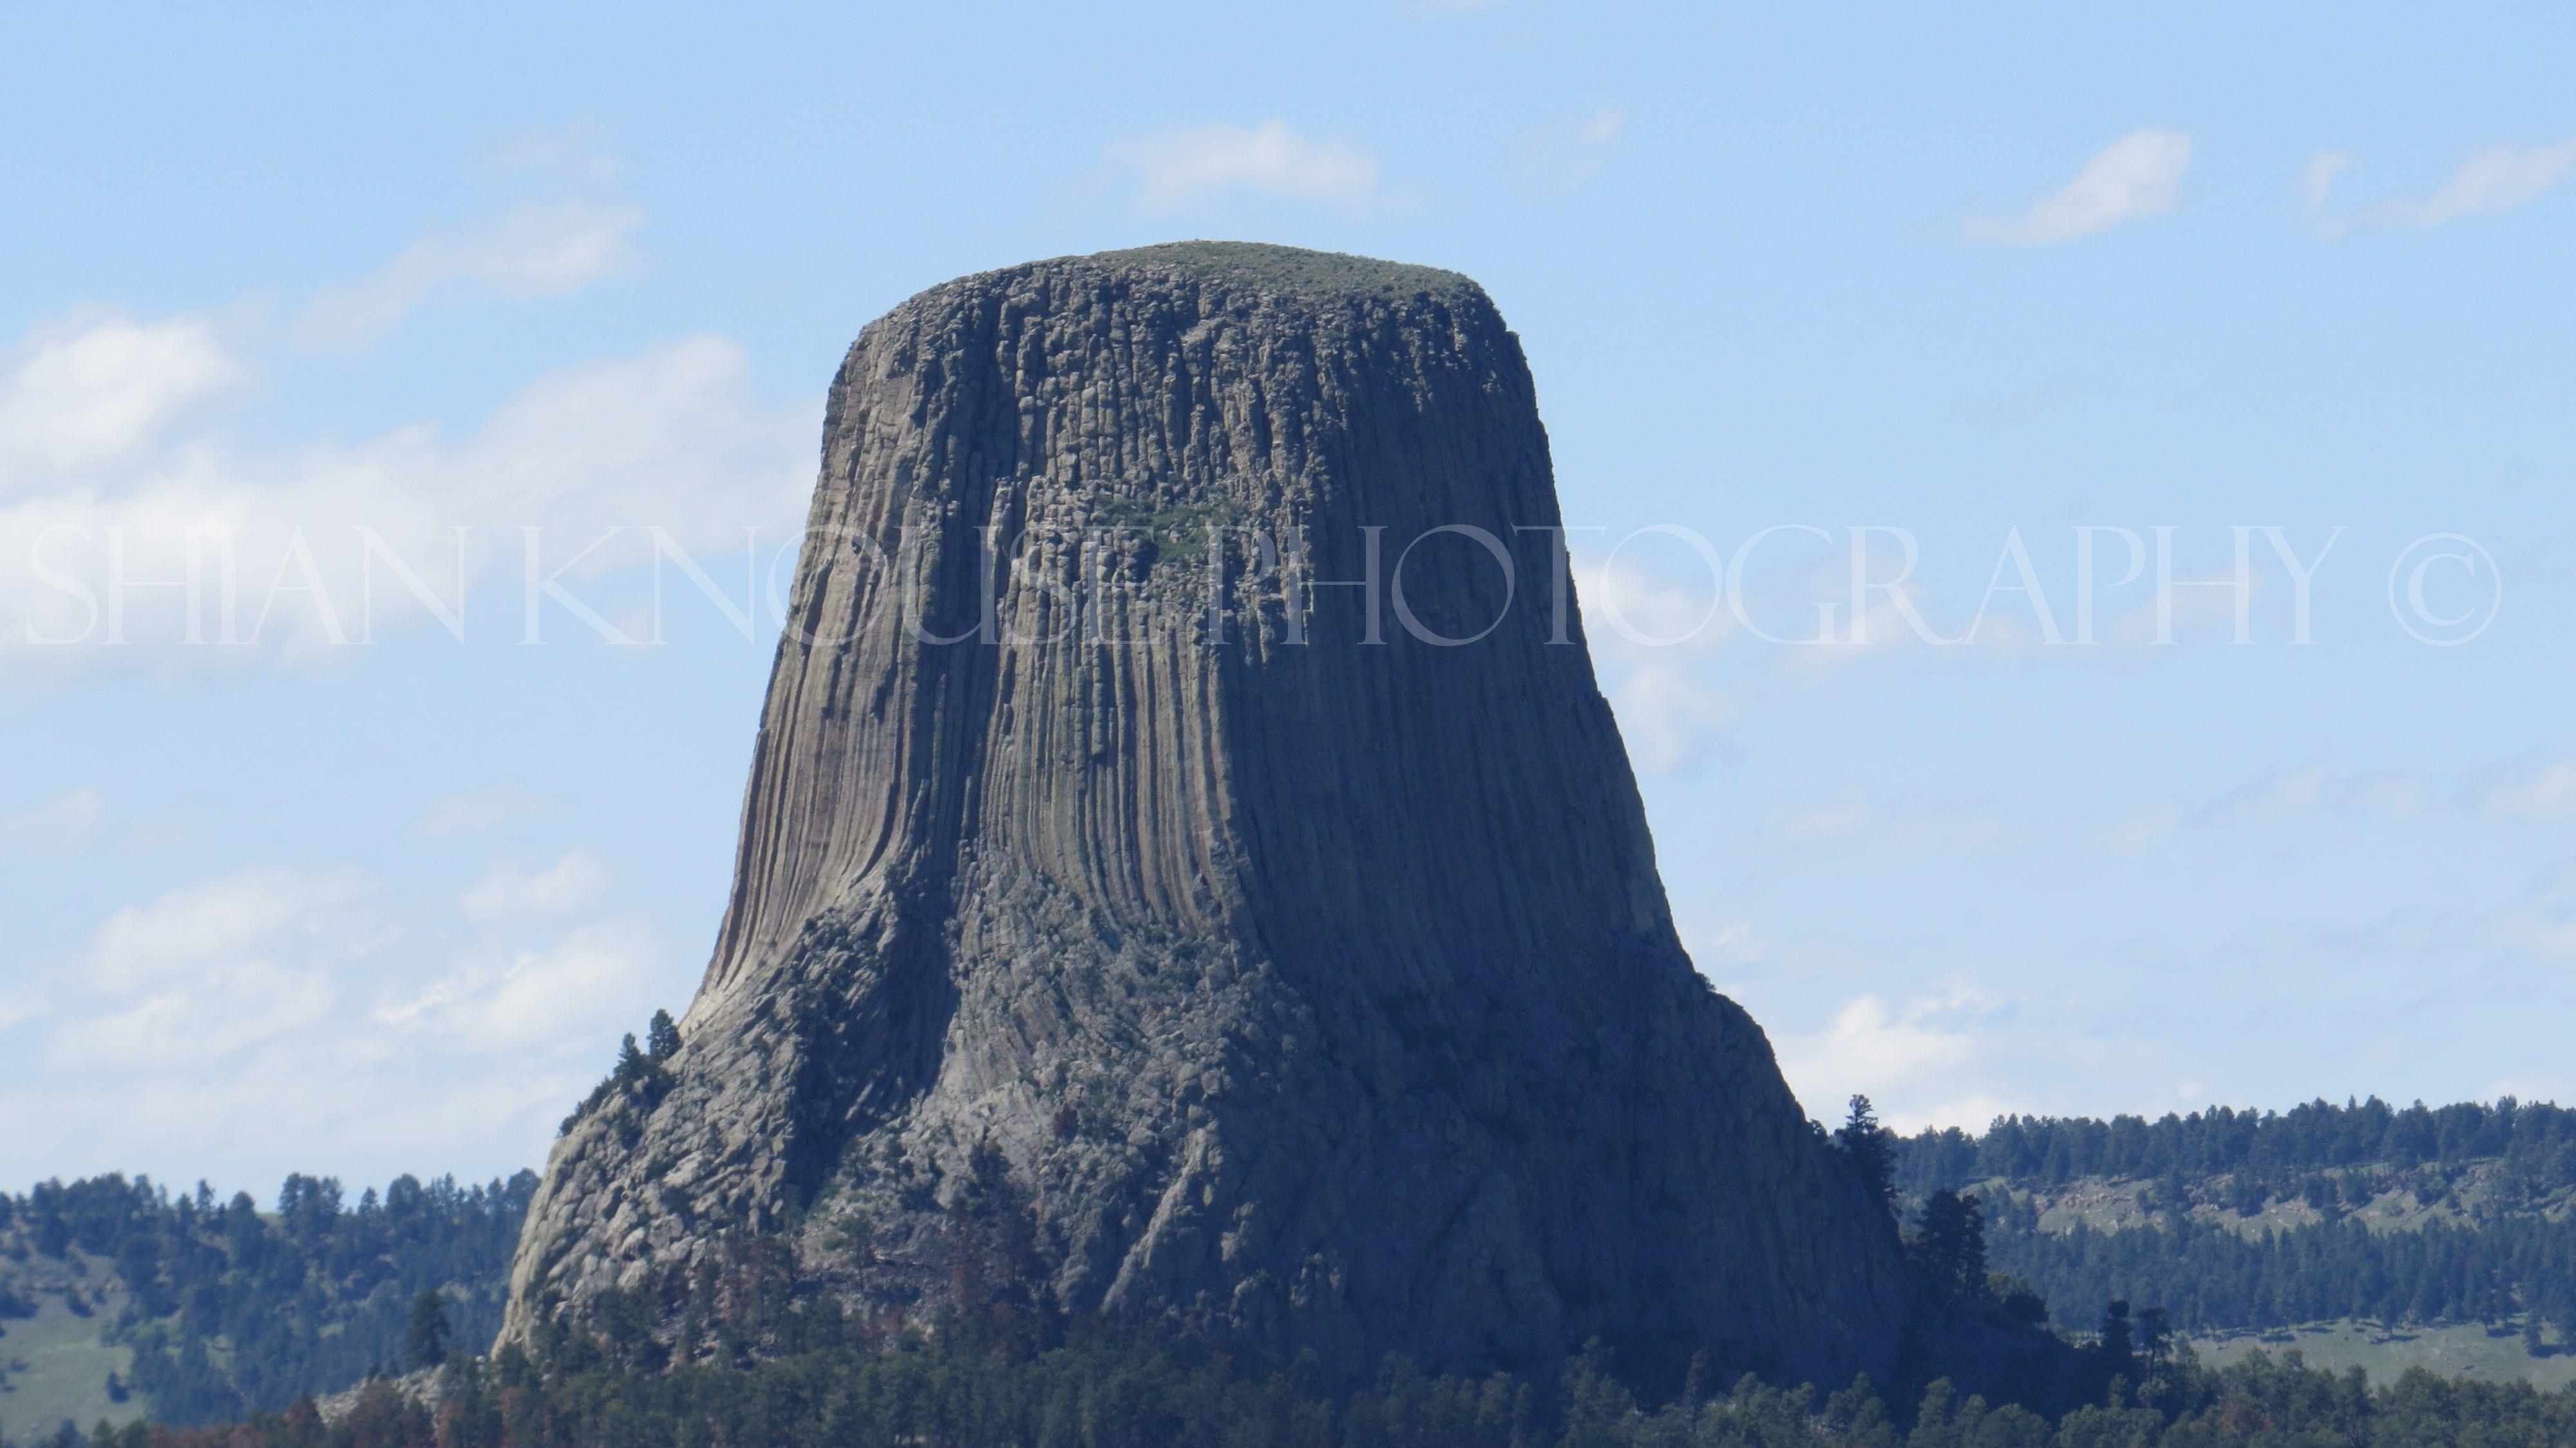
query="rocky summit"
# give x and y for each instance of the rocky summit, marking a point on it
(1191, 875)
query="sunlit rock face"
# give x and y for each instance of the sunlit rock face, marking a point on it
(1130, 907)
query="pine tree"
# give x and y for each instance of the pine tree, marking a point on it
(1949, 1247)
(2115, 1344)
(1871, 1150)
(2155, 1337)
(632, 1068)
(662, 1038)
(426, 1343)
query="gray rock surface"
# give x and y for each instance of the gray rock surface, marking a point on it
(1266, 979)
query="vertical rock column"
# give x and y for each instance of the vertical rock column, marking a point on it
(1246, 956)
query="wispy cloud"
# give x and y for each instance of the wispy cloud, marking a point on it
(1176, 169)
(1654, 634)
(2144, 826)
(2315, 790)
(250, 911)
(216, 968)
(2545, 793)
(2317, 178)
(474, 811)
(669, 438)
(572, 883)
(537, 249)
(2136, 176)
(333, 1016)
(1847, 813)
(1904, 1056)
(2537, 793)
(587, 984)
(577, 152)
(91, 390)
(57, 828)
(1851, 814)
(2489, 182)
(1557, 156)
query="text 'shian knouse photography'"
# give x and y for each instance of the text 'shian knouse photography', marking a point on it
(1384, 724)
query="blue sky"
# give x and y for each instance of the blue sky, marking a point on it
(309, 902)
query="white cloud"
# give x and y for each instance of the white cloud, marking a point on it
(2546, 793)
(1733, 943)
(1669, 715)
(1559, 155)
(2287, 797)
(578, 988)
(163, 832)
(1847, 813)
(2300, 793)
(1893, 1055)
(1655, 630)
(2543, 925)
(537, 249)
(2136, 176)
(92, 390)
(113, 467)
(573, 883)
(1897, 619)
(227, 1007)
(2489, 182)
(2283, 796)
(280, 911)
(2317, 178)
(210, 970)
(2195, 605)
(1850, 814)
(2536, 793)
(475, 811)
(2144, 826)
(578, 153)
(54, 829)
(319, 1019)
(669, 438)
(1180, 168)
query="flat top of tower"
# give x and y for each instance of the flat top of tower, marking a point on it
(1289, 268)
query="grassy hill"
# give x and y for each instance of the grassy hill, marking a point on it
(56, 1364)
(2363, 1234)
(2466, 1349)
(204, 1310)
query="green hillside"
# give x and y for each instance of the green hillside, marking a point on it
(2365, 1234)
(56, 1365)
(205, 1310)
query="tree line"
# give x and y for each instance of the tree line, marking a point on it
(229, 1309)
(1104, 1387)
(2531, 1146)
(2210, 1277)
(235, 1314)
(2497, 1255)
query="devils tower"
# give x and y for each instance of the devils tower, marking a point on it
(1187, 843)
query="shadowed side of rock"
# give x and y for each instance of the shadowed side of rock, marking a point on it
(1273, 964)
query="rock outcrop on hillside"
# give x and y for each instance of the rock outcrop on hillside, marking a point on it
(1112, 912)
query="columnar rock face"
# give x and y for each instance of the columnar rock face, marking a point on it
(1274, 963)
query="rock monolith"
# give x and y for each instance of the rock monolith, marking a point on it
(1191, 874)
